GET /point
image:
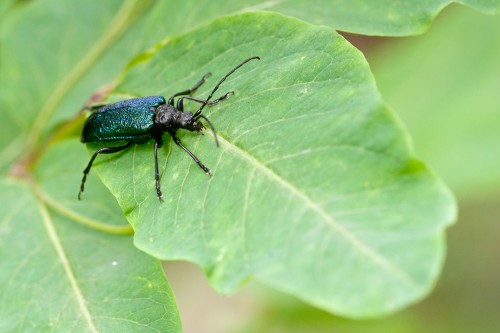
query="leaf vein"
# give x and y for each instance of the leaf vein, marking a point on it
(244, 218)
(357, 244)
(56, 242)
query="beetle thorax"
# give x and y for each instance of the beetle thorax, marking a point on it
(168, 118)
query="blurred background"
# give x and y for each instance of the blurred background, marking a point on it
(445, 86)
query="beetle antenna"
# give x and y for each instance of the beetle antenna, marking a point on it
(211, 127)
(198, 113)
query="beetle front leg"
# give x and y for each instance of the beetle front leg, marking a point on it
(193, 156)
(189, 91)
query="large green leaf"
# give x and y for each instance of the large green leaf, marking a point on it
(315, 189)
(57, 276)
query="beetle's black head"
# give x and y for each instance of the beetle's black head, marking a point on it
(168, 118)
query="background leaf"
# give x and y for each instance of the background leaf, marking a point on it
(60, 277)
(314, 187)
(382, 17)
(456, 125)
(4, 7)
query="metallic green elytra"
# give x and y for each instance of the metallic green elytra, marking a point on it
(125, 120)
(138, 120)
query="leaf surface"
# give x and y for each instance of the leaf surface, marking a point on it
(315, 189)
(58, 276)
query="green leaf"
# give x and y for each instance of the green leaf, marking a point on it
(456, 126)
(58, 176)
(315, 189)
(57, 276)
(4, 7)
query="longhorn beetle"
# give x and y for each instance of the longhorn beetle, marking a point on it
(138, 120)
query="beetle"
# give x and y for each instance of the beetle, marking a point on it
(139, 120)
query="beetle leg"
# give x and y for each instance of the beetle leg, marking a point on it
(193, 156)
(189, 91)
(158, 143)
(180, 101)
(104, 150)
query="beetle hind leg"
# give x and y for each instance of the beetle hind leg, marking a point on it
(158, 144)
(104, 150)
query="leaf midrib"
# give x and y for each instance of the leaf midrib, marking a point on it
(117, 26)
(357, 243)
(56, 242)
